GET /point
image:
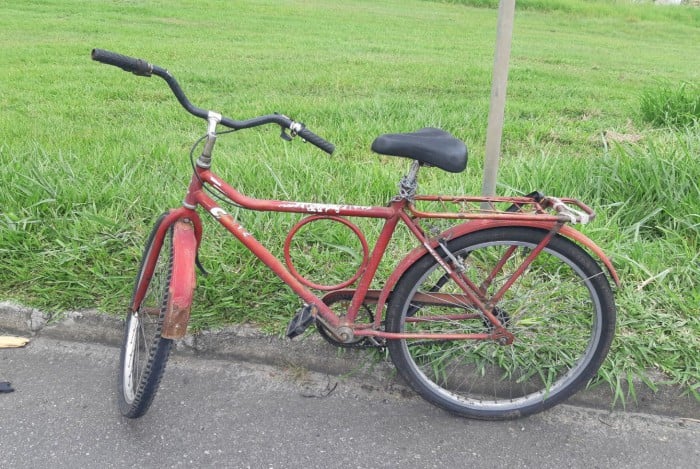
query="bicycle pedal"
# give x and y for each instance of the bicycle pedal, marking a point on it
(302, 319)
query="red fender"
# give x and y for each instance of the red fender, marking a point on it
(162, 225)
(478, 225)
(187, 234)
(183, 281)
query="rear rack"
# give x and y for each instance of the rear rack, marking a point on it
(553, 209)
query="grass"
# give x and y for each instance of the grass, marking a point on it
(90, 156)
(669, 105)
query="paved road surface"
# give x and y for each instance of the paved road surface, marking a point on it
(231, 414)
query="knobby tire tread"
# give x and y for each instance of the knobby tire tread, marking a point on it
(158, 348)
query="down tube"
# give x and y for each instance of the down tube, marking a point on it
(264, 255)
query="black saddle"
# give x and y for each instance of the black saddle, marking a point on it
(431, 146)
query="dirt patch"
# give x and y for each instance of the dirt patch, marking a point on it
(612, 136)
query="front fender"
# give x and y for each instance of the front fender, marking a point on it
(187, 234)
(162, 225)
(478, 225)
(182, 282)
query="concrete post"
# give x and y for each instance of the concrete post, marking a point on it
(494, 132)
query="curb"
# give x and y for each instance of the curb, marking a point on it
(246, 343)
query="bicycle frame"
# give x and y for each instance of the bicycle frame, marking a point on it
(188, 233)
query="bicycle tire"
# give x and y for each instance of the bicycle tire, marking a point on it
(144, 352)
(561, 312)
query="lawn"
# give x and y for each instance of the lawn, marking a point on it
(91, 156)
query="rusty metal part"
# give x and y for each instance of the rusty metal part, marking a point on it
(176, 319)
(182, 282)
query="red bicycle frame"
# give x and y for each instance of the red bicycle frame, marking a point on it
(188, 232)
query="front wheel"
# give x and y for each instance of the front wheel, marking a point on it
(144, 351)
(561, 312)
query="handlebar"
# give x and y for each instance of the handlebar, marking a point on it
(141, 67)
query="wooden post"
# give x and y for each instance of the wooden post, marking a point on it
(494, 131)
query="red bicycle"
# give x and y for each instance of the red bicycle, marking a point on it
(503, 314)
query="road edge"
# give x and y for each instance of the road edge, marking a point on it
(249, 344)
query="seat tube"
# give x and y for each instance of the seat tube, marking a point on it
(375, 258)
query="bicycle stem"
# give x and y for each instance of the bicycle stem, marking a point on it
(204, 160)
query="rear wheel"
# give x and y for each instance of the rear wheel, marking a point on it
(560, 310)
(144, 352)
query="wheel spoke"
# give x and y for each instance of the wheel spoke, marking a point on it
(559, 310)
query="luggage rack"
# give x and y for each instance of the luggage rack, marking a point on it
(530, 208)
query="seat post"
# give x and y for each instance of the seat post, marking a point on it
(408, 186)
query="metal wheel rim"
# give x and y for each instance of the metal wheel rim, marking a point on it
(130, 357)
(534, 397)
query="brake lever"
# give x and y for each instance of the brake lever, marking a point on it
(294, 129)
(284, 135)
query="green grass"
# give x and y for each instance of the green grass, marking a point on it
(667, 105)
(90, 155)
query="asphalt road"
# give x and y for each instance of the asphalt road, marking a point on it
(229, 414)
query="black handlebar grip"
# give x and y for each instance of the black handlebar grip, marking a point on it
(314, 139)
(129, 64)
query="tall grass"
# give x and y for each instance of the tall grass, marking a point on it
(648, 201)
(90, 156)
(673, 106)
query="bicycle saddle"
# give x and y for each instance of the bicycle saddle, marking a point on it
(431, 146)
